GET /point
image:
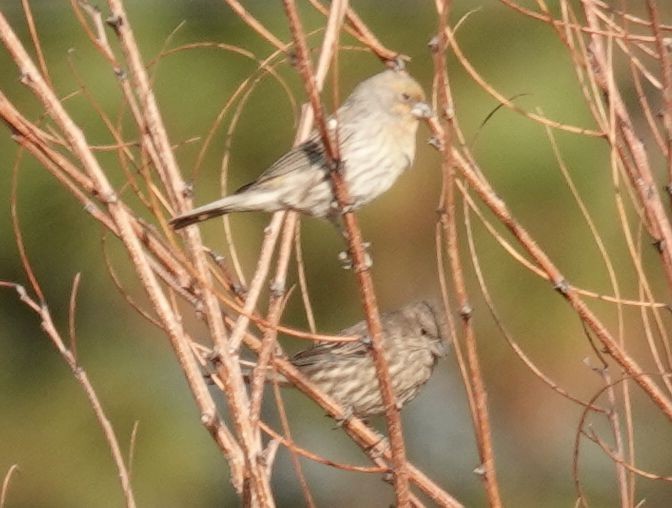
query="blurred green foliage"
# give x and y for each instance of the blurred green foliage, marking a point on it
(47, 427)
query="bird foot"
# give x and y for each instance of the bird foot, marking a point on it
(345, 259)
(344, 418)
(378, 448)
(347, 262)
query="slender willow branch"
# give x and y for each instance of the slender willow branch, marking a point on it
(357, 251)
(227, 361)
(124, 225)
(79, 373)
(478, 394)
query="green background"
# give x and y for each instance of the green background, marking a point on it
(46, 425)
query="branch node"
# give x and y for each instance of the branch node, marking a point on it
(109, 197)
(277, 288)
(659, 245)
(466, 311)
(25, 78)
(21, 290)
(436, 143)
(214, 356)
(480, 470)
(239, 290)
(433, 44)
(115, 22)
(187, 190)
(364, 267)
(218, 258)
(209, 420)
(601, 370)
(292, 57)
(561, 286)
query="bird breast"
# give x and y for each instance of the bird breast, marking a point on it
(373, 162)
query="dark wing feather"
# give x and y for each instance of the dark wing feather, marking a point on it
(330, 351)
(308, 156)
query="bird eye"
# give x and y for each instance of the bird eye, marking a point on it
(423, 331)
(405, 97)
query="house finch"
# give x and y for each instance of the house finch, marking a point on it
(375, 130)
(414, 337)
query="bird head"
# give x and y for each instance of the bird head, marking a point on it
(432, 325)
(402, 95)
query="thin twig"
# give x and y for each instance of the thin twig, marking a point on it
(478, 399)
(14, 468)
(82, 378)
(367, 294)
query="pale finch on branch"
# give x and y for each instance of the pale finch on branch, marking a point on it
(414, 338)
(377, 127)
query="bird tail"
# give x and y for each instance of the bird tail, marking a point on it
(243, 202)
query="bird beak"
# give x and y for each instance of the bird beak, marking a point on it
(421, 110)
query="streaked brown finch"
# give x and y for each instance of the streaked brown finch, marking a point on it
(376, 130)
(414, 338)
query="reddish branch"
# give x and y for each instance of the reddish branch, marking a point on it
(227, 363)
(168, 265)
(663, 48)
(478, 393)
(631, 150)
(79, 373)
(356, 248)
(615, 350)
(124, 225)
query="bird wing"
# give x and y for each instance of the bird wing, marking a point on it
(330, 350)
(299, 161)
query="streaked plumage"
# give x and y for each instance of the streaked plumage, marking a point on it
(376, 126)
(414, 337)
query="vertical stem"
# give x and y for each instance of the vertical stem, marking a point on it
(479, 399)
(367, 294)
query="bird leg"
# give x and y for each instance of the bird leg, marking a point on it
(378, 448)
(345, 256)
(346, 259)
(344, 418)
